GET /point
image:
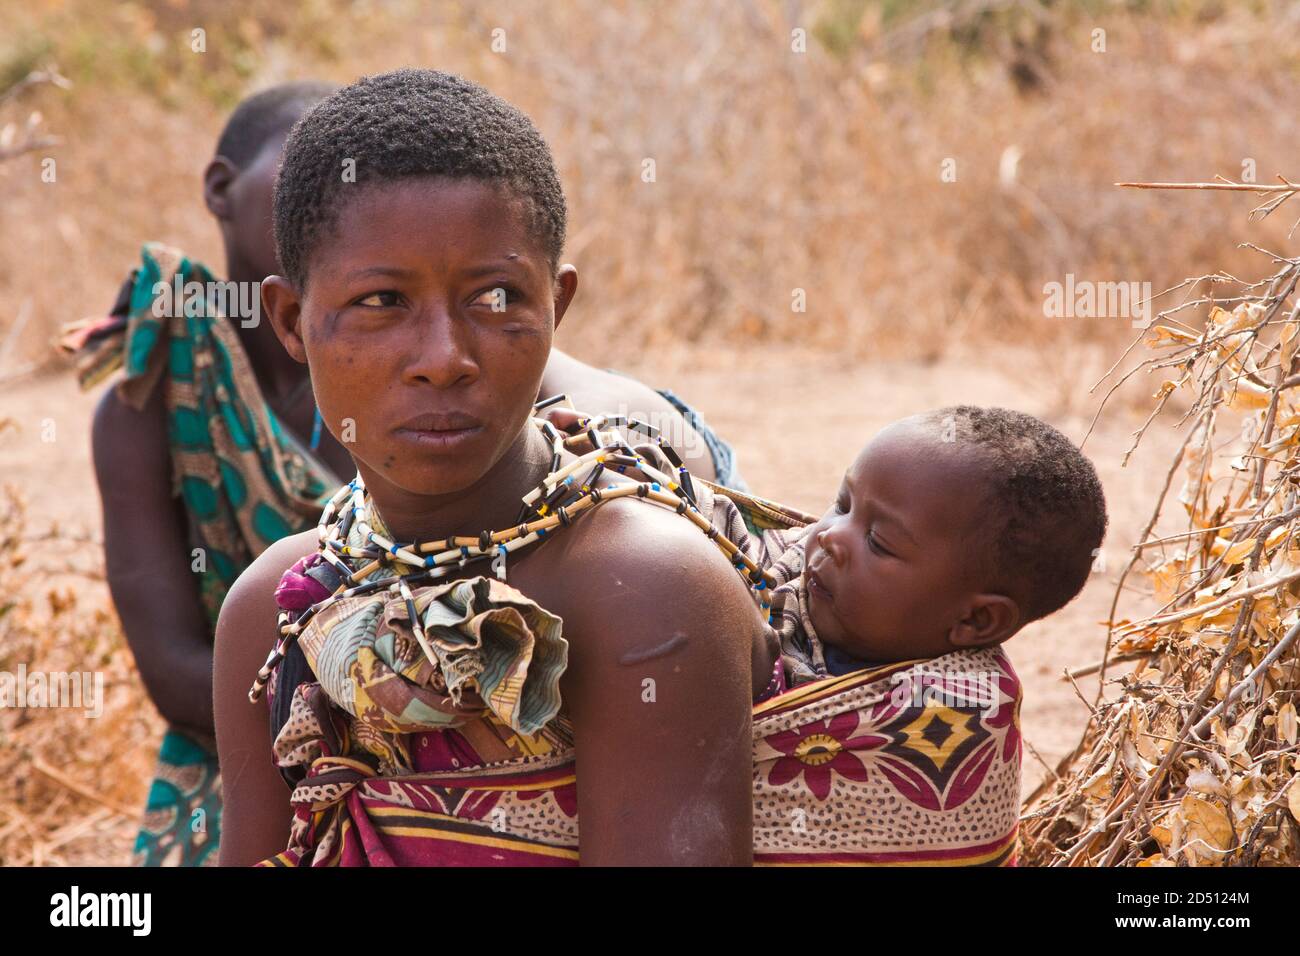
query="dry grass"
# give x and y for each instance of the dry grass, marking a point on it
(775, 171)
(71, 786)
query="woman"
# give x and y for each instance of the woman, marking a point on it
(422, 293)
(171, 559)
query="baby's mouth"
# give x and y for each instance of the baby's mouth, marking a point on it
(816, 587)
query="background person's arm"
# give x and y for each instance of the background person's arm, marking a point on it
(659, 691)
(148, 561)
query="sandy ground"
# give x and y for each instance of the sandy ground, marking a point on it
(793, 450)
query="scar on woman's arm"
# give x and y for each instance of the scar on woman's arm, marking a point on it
(640, 656)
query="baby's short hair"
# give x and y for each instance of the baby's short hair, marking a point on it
(265, 115)
(404, 125)
(1044, 512)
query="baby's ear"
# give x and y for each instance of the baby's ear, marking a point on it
(990, 620)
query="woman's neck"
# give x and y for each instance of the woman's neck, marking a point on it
(491, 503)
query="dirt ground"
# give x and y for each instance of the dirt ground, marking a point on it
(792, 449)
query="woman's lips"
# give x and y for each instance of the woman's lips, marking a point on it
(440, 440)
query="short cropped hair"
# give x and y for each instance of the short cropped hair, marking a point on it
(265, 115)
(1045, 513)
(404, 125)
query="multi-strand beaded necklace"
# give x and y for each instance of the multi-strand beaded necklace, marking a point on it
(560, 498)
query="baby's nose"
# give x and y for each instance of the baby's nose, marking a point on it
(826, 541)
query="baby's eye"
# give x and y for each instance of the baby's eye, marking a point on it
(380, 300)
(874, 544)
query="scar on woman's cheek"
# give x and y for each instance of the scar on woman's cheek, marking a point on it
(390, 461)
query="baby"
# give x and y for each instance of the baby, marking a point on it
(952, 529)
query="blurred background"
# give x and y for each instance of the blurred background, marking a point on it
(914, 173)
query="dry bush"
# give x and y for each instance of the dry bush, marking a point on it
(1193, 761)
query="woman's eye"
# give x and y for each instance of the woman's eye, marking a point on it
(380, 300)
(496, 299)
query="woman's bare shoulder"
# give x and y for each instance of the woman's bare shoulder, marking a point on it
(639, 569)
(255, 822)
(248, 612)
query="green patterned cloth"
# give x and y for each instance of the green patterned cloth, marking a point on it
(182, 814)
(245, 479)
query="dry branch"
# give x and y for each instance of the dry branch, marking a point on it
(1192, 759)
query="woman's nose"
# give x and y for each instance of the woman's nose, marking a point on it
(442, 355)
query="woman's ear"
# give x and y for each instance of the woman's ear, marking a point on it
(217, 178)
(990, 619)
(566, 286)
(281, 302)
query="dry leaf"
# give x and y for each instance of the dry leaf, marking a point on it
(1204, 780)
(1168, 335)
(1157, 859)
(1243, 394)
(1098, 785)
(1239, 552)
(1207, 829)
(1167, 386)
(1285, 723)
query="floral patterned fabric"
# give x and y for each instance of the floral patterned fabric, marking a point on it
(916, 763)
(912, 764)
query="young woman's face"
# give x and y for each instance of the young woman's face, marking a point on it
(426, 323)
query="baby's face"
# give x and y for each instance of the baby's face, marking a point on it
(891, 566)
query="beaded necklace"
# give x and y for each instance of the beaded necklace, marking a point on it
(560, 498)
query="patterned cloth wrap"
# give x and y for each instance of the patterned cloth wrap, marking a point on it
(245, 480)
(472, 763)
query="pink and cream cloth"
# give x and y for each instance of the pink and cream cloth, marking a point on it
(400, 761)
